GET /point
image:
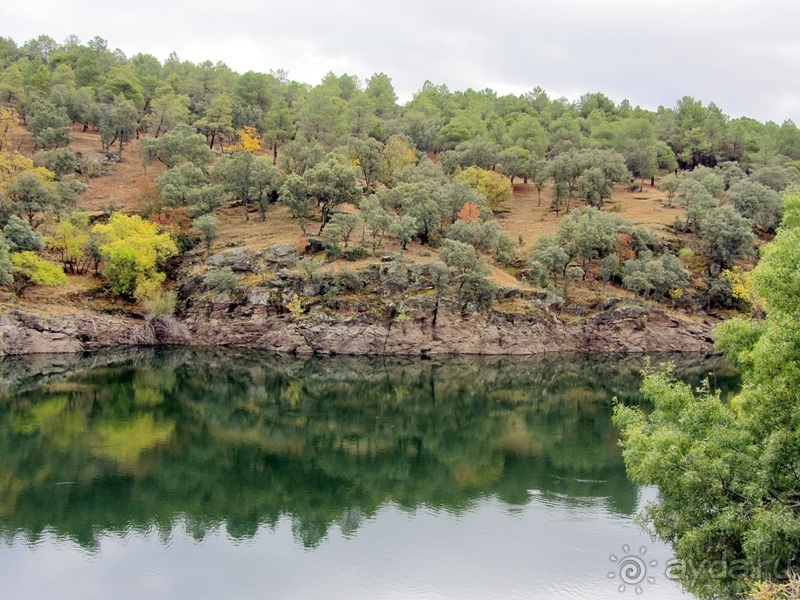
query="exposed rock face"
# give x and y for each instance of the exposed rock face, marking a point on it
(25, 333)
(433, 329)
(440, 328)
(384, 309)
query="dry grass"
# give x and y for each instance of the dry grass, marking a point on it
(525, 218)
(61, 301)
(120, 186)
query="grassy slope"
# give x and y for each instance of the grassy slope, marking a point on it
(523, 219)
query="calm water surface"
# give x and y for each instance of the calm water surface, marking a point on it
(225, 474)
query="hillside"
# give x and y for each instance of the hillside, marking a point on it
(149, 188)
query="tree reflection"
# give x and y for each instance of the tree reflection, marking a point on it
(149, 439)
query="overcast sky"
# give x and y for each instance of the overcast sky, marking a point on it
(742, 55)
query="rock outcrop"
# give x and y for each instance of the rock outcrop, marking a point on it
(436, 328)
(433, 328)
(384, 309)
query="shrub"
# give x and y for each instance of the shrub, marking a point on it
(161, 304)
(221, 280)
(355, 253)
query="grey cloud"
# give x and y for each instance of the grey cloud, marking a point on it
(739, 54)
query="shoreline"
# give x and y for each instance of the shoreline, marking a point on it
(432, 328)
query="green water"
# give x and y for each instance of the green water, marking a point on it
(210, 474)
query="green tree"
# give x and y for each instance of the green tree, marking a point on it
(514, 162)
(726, 234)
(477, 152)
(594, 187)
(643, 160)
(381, 91)
(360, 116)
(21, 237)
(418, 202)
(32, 194)
(219, 281)
(12, 87)
(421, 127)
(727, 470)
(537, 172)
(710, 179)
(60, 162)
(217, 121)
(117, 122)
(669, 184)
(264, 178)
(549, 253)
(756, 202)
(776, 177)
(293, 193)
(6, 277)
(300, 155)
(50, 125)
(167, 110)
(208, 228)
(188, 186)
(322, 118)
(279, 126)
(647, 275)
(404, 228)
(82, 107)
(469, 274)
(609, 268)
(697, 201)
(453, 195)
(366, 154)
(338, 231)
(248, 179)
(527, 132)
(122, 83)
(731, 173)
(332, 183)
(588, 235)
(175, 147)
(377, 220)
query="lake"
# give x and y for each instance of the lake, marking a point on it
(235, 474)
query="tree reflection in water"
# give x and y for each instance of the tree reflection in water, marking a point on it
(148, 439)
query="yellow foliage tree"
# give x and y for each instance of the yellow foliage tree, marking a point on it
(10, 125)
(70, 239)
(741, 287)
(494, 186)
(29, 268)
(133, 254)
(11, 165)
(397, 154)
(248, 140)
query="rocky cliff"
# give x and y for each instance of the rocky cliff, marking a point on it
(384, 309)
(432, 329)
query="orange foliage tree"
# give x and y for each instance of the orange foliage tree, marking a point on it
(470, 212)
